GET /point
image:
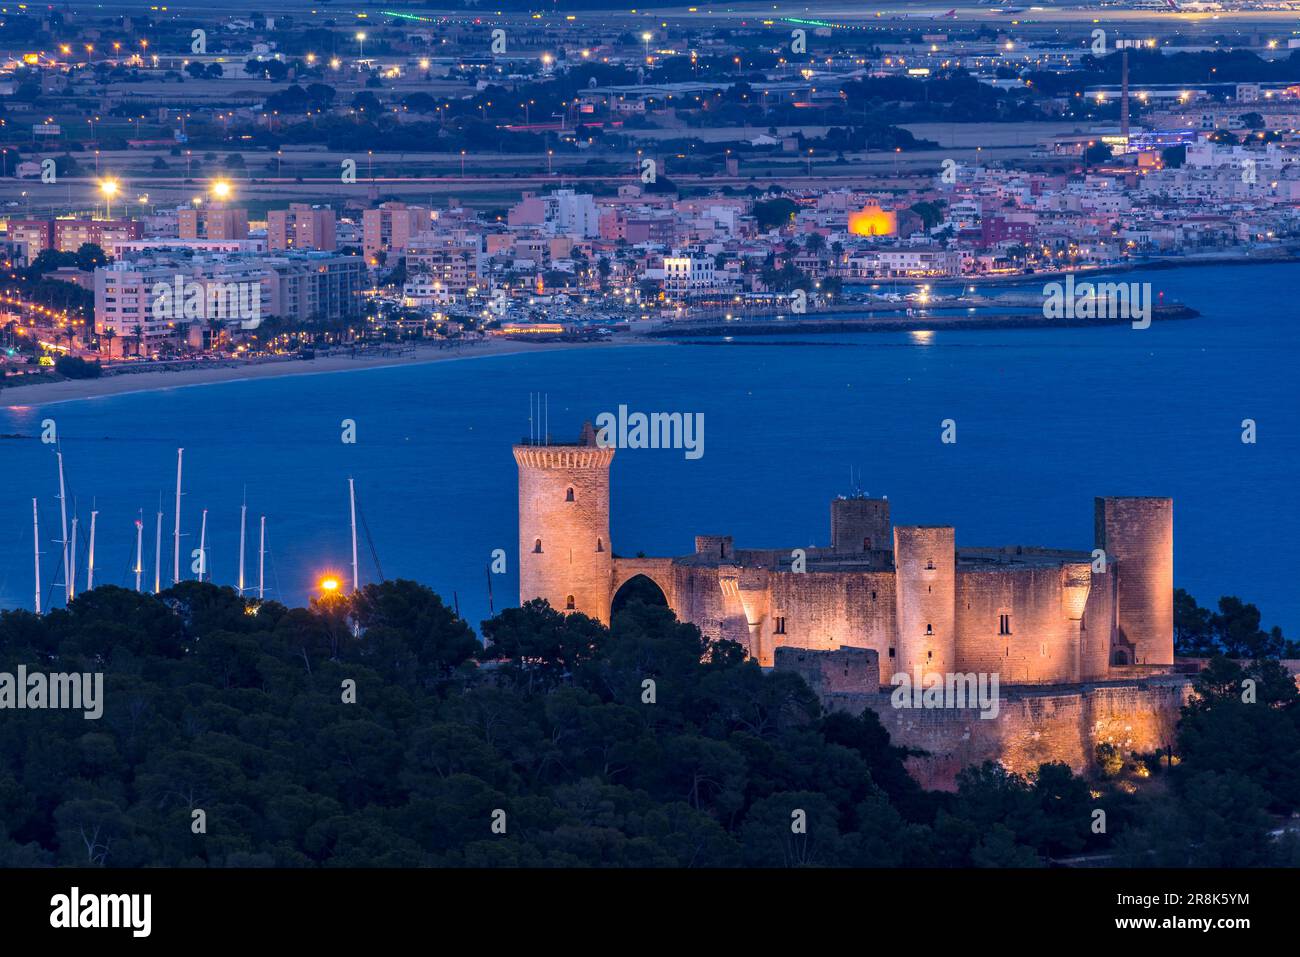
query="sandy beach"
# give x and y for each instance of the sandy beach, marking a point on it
(72, 390)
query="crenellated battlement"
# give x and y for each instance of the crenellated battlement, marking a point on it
(563, 457)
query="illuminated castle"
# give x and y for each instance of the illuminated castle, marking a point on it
(1035, 615)
(884, 599)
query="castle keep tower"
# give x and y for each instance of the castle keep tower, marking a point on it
(925, 579)
(564, 549)
(1138, 536)
(859, 524)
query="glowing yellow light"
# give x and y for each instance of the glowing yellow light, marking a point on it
(871, 220)
(108, 187)
(329, 584)
(221, 189)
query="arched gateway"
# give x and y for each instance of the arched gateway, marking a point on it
(657, 570)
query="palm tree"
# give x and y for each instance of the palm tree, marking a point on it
(138, 332)
(217, 326)
(109, 334)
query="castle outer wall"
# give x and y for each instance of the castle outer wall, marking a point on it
(1032, 725)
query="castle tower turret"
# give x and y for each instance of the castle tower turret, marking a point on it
(859, 524)
(925, 579)
(564, 549)
(1138, 536)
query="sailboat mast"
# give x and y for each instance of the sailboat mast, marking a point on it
(72, 582)
(90, 565)
(352, 498)
(36, 553)
(243, 522)
(176, 533)
(157, 550)
(203, 546)
(261, 562)
(63, 514)
(139, 549)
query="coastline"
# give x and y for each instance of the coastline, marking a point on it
(76, 390)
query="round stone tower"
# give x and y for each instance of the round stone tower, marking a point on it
(1138, 535)
(564, 549)
(925, 580)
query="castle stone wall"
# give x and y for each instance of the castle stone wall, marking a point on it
(1097, 626)
(1032, 727)
(829, 610)
(831, 672)
(1040, 645)
(709, 598)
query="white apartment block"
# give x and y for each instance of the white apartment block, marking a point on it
(300, 286)
(918, 263)
(684, 274)
(126, 293)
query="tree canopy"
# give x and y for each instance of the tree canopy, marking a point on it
(639, 744)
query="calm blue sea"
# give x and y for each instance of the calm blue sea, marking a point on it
(1045, 421)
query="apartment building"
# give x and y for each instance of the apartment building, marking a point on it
(301, 226)
(212, 223)
(390, 227)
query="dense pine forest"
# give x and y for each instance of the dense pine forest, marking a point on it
(377, 730)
